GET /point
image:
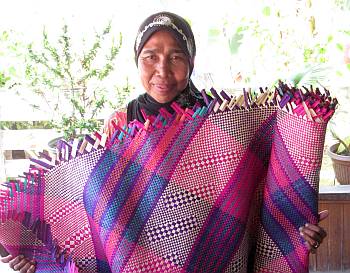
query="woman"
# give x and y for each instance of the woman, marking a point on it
(165, 52)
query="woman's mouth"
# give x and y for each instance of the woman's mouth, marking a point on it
(162, 86)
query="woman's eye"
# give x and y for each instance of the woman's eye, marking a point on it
(149, 57)
(177, 57)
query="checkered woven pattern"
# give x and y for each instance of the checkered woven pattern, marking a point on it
(35, 242)
(220, 192)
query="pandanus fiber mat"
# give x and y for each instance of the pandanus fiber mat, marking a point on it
(221, 188)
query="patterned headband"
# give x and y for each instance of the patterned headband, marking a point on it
(166, 21)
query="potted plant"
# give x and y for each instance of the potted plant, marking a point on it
(340, 156)
(71, 81)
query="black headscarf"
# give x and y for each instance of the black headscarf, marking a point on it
(182, 32)
(173, 23)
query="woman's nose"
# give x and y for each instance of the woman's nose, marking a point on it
(163, 67)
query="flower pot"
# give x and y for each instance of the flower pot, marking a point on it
(341, 165)
(53, 144)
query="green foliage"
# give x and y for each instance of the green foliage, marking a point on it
(214, 32)
(69, 125)
(343, 4)
(283, 38)
(340, 47)
(70, 81)
(7, 48)
(20, 125)
(235, 40)
(344, 147)
(3, 79)
(312, 75)
(266, 11)
(120, 96)
(234, 37)
(344, 143)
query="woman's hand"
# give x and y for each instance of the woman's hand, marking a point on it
(3, 251)
(19, 263)
(314, 234)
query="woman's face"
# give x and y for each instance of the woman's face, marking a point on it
(164, 67)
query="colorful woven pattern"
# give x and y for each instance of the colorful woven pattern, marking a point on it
(23, 229)
(222, 188)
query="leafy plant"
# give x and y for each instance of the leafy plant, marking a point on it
(312, 75)
(120, 96)
(235, 40)
(344, 142)
(20, 125)
(8, 49)
(339, 131)
(71, 81)
(3, 78)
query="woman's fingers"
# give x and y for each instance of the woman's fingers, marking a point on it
(6, 259)
(310, 236)
(310, 242)
(15, 261)
(29, 267)
(20, 264)
(3, 251)
(314, 234)
(317, 229)
(323, 215)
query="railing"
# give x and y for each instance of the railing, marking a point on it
(17, 145)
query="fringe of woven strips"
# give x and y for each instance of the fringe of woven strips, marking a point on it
(220, 188)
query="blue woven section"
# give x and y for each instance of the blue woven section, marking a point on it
(96, 181)
(103, 266)
(120, 195)
(216, 246)
(276, 231)
(262, 140)
(288, 209)
(155, 187)
(307, 194)
(128, 181)
(302, 189)
(283, 240)
(139, 219)
(223, 232)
